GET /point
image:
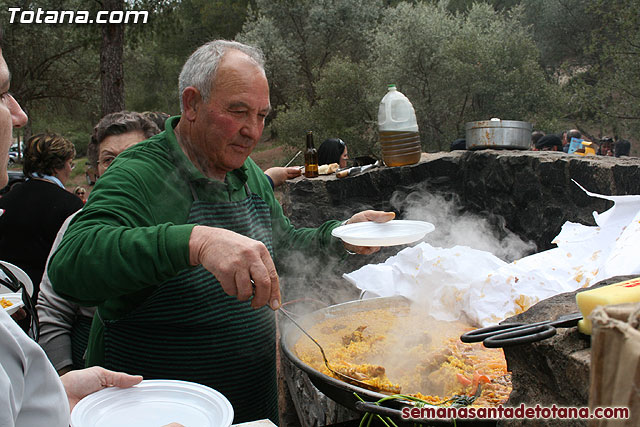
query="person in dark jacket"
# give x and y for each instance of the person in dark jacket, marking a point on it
(549, 143)
(35, 210)
(622, 147)
(459, 144)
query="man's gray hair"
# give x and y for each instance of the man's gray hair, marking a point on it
(200, 69)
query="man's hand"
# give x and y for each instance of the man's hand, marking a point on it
(238, 263)
(81, 383)
(279, 175)
(375, 216)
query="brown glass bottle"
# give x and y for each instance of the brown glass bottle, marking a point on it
(310, 158)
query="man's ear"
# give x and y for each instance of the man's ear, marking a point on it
(191, 100)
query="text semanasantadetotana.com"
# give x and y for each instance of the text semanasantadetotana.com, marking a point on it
(518, 412)
(40, 16)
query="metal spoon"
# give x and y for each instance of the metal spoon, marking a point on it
(340, 375)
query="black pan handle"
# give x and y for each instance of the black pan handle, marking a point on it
(481, 334)
(567, 321)
(522, 336)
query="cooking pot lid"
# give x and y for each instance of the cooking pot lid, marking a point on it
(497, 123)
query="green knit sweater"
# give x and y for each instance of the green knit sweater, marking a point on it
(132, 233)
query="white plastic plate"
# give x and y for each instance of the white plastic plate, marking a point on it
(16, 299)
(154, 403)
(391, 233)
(20, 275)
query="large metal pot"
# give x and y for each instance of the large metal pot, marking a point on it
(496, 133)
(339, 391)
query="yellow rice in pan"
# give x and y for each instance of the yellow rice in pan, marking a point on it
(398, 350)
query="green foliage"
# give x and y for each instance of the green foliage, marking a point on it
(80, 140)
(457, 68)
(607, 91)
(454, 68)
(561, 30)
(300, 37)
(54, 67)
(76, 130)
(80, 168)
(345, 109)
(315, 57)
(556, 63)
(154, 61)
(152, 81)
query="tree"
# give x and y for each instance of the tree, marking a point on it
(561, 30)
(51, 65)
(111, 68)
(112, 75)
(607, 92)
(156, 51)
(462, 67)
(300, 37)
(315, 56)
(454, 67)
(346, 108)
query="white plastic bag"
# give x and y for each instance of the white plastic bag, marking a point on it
(462, 283)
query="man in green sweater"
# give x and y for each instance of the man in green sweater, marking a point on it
(175, 243)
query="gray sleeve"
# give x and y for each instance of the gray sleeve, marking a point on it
(56, 315)
(32, 394)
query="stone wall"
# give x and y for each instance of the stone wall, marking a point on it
(531, 190)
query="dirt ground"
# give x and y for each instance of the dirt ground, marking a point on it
(267, 154)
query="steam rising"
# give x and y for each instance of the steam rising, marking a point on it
(456, 227)
(417, 345)
(313, 281)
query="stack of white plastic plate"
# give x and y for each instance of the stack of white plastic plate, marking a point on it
(154, 403)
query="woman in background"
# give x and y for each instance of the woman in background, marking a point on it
(333, 150)
(35, 210)
(81, 192)
(64, 325)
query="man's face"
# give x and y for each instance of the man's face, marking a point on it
(228, 126)
(113, 145)
(11, 115)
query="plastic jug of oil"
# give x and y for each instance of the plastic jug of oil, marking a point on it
(398, 130)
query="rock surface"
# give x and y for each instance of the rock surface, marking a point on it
(531, 190)
(554, 371)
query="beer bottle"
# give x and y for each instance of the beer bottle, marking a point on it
(310, 158)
